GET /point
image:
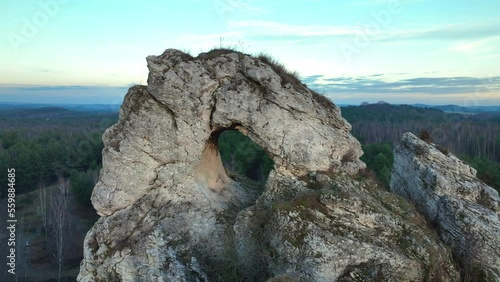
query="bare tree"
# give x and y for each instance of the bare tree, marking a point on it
(22, 250)
(43, 209)
(61, 223)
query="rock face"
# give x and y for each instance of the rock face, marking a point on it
(465, 210)
(339, 229)
(169, 212)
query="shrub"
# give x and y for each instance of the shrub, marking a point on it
(426, 136)
(379, 158)
(420, 150)
(82, 185)
(367, 174)
(442, 149)
(349, 156)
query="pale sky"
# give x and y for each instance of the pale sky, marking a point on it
(400, 51)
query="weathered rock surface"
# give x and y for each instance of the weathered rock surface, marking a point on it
(338, 229)
(446, 190)
(169, 212)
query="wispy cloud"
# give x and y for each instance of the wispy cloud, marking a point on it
(383, 2)
(277, 28)
(428, 85)
(226, 7)
(275, 31)
(471, 46)
(451, 31)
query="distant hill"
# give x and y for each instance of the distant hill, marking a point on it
(460, 109)
(46, 112)
(393, 113)
(430, 114)
(10, 106)
(445, 108)
(73, 107)
(93, 107)
(49, 114)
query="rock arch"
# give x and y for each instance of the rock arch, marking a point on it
(188, 99)
(161, 175)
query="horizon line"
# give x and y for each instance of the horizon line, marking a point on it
(338, 104)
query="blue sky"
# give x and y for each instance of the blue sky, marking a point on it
(400, 51)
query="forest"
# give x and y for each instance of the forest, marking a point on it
(47, 144)
(56, 154)
(54, 149)
(50, 143)
(474, 138)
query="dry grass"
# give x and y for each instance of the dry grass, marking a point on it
(283, 278)
(286, 75)
(308, 201)
(442, 149)
(216, 52)
(367, 174)
(349, 156)
(421, 150)
(322, 100)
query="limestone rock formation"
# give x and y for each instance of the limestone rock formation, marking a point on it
(169, 212)
(465, 210)
(335, 228)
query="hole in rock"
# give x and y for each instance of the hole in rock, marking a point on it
(243, 159)
(233, 169)
(232, 174)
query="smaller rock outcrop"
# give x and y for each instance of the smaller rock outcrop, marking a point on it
(335, 228)
(446, 190)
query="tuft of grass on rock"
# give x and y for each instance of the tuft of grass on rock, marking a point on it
(286, 75)
(216, 52)
(442, 149)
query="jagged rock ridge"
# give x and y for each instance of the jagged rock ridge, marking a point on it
(170, 213)
(448, 193)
